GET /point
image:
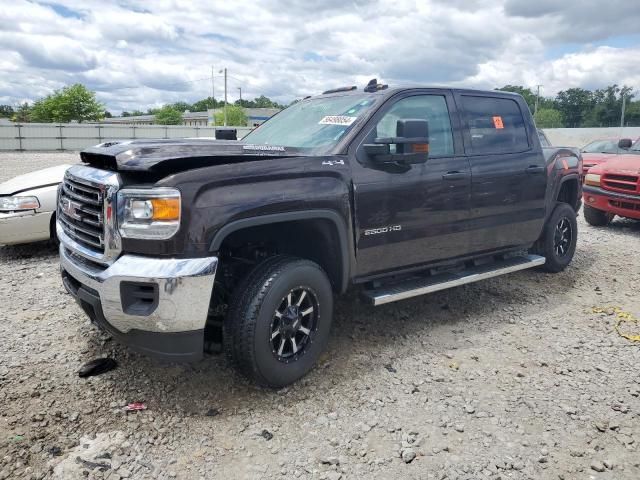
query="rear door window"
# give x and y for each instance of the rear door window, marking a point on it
(495, 125)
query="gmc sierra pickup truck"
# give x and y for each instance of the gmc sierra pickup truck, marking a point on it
(177, 246)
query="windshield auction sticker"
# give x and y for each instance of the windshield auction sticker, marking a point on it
(337, 120)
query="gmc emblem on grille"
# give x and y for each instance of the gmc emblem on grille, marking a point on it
(70, 208)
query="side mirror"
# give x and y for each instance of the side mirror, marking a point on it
(625, 143)
(411, 141)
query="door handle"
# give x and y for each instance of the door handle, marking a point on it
(534, 169)
(455, 176)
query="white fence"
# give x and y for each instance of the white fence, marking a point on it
(77, 136)
(579, 137)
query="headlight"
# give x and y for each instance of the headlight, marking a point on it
(150, 214)
(592, 179)
(14, 204)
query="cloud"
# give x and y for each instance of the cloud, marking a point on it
(49, 52)
(138, 55)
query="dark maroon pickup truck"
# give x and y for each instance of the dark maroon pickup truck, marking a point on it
(181, 246)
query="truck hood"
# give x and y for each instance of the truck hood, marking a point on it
(597, 158)
(168, 156)
(30, 181)
(621, 164)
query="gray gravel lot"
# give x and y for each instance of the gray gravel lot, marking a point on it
(17, 163)
(512, 378)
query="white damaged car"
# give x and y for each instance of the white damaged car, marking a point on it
(28, 206)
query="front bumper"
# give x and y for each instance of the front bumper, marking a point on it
(621, 204)
(156, 306)
(24, 227)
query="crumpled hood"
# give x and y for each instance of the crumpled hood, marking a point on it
(29, 181)
(164, 156)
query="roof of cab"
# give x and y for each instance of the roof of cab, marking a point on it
(394, 90)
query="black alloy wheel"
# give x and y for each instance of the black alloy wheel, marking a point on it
(563, 237)
(294, 324)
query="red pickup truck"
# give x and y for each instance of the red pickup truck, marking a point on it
(613, 188)
(602, 150)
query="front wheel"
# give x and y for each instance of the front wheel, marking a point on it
(559, 238)
(278, 321)
(596, 217)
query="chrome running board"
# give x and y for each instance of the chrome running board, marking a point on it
(421, 285)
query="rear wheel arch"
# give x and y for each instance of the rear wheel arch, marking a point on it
(568, 191)
(312, 234)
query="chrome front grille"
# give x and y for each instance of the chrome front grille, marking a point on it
(86, 213)
(81, 213)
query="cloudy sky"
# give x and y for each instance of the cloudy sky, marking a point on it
(139, 54)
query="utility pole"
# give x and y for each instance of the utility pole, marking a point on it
(225, 97)
(240, 90)
(624, 104)
(213, 97)
(535, 110)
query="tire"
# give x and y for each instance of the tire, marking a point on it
(54, 234)
(597, 218)
(558, 250)
(269, 317)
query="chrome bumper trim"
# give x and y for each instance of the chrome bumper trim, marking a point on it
(184, 288)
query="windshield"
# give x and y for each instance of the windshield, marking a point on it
(316, 124)
(602, 146)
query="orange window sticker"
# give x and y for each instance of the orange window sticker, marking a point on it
(420, 148)
(497, 122)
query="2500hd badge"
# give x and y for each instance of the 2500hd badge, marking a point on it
(376, 231)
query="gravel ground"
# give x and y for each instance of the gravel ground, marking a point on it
(16, 163)
(514, 377)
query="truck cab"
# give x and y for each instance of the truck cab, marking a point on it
(180, 245)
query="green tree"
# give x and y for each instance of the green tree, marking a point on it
(263, 102)
(22, 113)
(575, 104)
(236, 116)
(168, 115)
(6, 111)
(526, 93)
(205, 104)
(632, 114)
(609, 107)
(549, 118)
(73, 103)
(182, 106)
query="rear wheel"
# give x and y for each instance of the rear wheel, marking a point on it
(278, 321)
(559, 238)
(597, 218)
